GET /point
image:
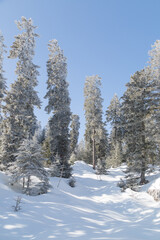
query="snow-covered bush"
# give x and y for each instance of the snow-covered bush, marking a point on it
(121, 184)
(154, 190)
(131, 182)
(72, 182)
(38, 189)
(17, 206)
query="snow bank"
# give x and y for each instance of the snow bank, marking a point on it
(3, 182)
(81, 167)
(154, 189)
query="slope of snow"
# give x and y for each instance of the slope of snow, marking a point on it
(94, 209)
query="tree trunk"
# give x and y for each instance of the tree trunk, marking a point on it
(94, 151)
(143, 180)
(143, 164)
(23, 182)
(28, 182)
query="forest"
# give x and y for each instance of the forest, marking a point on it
(30, 154)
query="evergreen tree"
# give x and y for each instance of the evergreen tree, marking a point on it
(137, 110)
(56, 168)
(2, 84)
(142, 115)
(153, 71)
(154, 61)
(39, 133)
(2, 78)
(114, 117)
(46, 145)
(95, 132)
(73, 158)
(81, 151)
(19, 119)
(29, 164)
(115, 156)
(74, 133)
(101, 167)
(59, 104)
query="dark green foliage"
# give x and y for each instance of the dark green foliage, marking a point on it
(59, 104)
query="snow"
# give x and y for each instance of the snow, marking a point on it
(154, 189)
(94, 209)
(155, 184)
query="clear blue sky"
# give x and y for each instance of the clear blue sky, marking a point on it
(110, 38)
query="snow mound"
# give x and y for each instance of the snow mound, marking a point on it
(3, 182)
(154, 189)
(81, 167)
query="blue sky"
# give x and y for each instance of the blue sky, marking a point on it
(110, 38)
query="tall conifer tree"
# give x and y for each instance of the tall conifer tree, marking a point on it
(20, 121)
(74, 133)
(2, 78)
(95, 132)
(114, 117)
(2, 84)
(59, 105)
(138, 108)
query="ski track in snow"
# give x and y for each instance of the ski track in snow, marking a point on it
(94, 209)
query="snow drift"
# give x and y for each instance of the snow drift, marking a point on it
(154, 189)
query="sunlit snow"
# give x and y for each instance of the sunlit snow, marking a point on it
(94, 209)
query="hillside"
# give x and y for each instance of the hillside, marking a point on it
(94, 209)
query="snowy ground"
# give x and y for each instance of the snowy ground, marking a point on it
(94, 209)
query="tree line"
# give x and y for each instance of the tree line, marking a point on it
(134, 120)
(26, 149)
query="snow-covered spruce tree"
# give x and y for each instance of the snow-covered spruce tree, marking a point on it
(115, 157)
(101, 167)
(2, 78)
(19, 119)
(74, 132)
(154, 61)
(73, 158)
(59, 104)
(29, 164)
(95, 132)
(114, 117)
(143, 120)
(2, 82)
(46, 146)
(137, 112)
(39, 133)
(81, 151)
(153, 71)
(56, 168)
